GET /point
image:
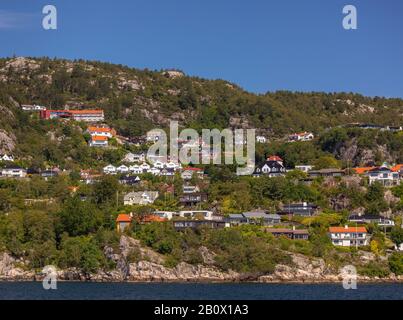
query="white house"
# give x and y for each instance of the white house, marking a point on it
(145, 166)
(384, 175)
(349, 236)
(304, 168)
(261, 139)
(100, 132)
(154, 171)
(98, 141)
(165, 214)
(207, 215)
(159, 164)
(172, 165)
(123, 169)
(13, 172)
(110, 169)
(134, 157)
(302, 136)
(6, 157)
(136, 169)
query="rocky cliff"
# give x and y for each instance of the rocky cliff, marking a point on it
(152, 269)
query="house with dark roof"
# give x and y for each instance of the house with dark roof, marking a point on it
(254, 217)
(330, 172)
(299, 209)
(192, 199)
(295, 234)
(375, 219)
(130, 180)
(195, 224)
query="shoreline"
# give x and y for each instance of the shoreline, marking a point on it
(201, 281)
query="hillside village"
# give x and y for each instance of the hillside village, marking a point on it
(321, 193)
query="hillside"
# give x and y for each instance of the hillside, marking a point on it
(135, 101)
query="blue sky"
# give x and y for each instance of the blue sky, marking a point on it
(261, 45)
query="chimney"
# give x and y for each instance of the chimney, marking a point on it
(305, 204)
(346, 227)
(131, 214)
(293, 228)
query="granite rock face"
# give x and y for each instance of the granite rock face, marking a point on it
(136, 263)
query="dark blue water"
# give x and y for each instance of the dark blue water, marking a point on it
(165, 291)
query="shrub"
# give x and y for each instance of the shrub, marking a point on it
(396, 263)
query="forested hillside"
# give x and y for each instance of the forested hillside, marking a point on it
(138, 100)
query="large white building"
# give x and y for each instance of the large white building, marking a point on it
(349, 236)
(384, 175)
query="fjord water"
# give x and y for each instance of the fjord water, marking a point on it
(197, 291)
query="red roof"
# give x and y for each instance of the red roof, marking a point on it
(192, 169)
(274, 158)
(397, 168)
(123, 218)
(152, 218)
(347, 230)
(99, 129)
(99, 138)
(362, 170)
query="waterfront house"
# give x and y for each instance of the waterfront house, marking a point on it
(140, 197)
(123, 221)
(349, 236)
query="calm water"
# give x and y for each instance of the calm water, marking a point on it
(154, 291)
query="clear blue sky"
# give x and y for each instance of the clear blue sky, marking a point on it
(261, 45)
